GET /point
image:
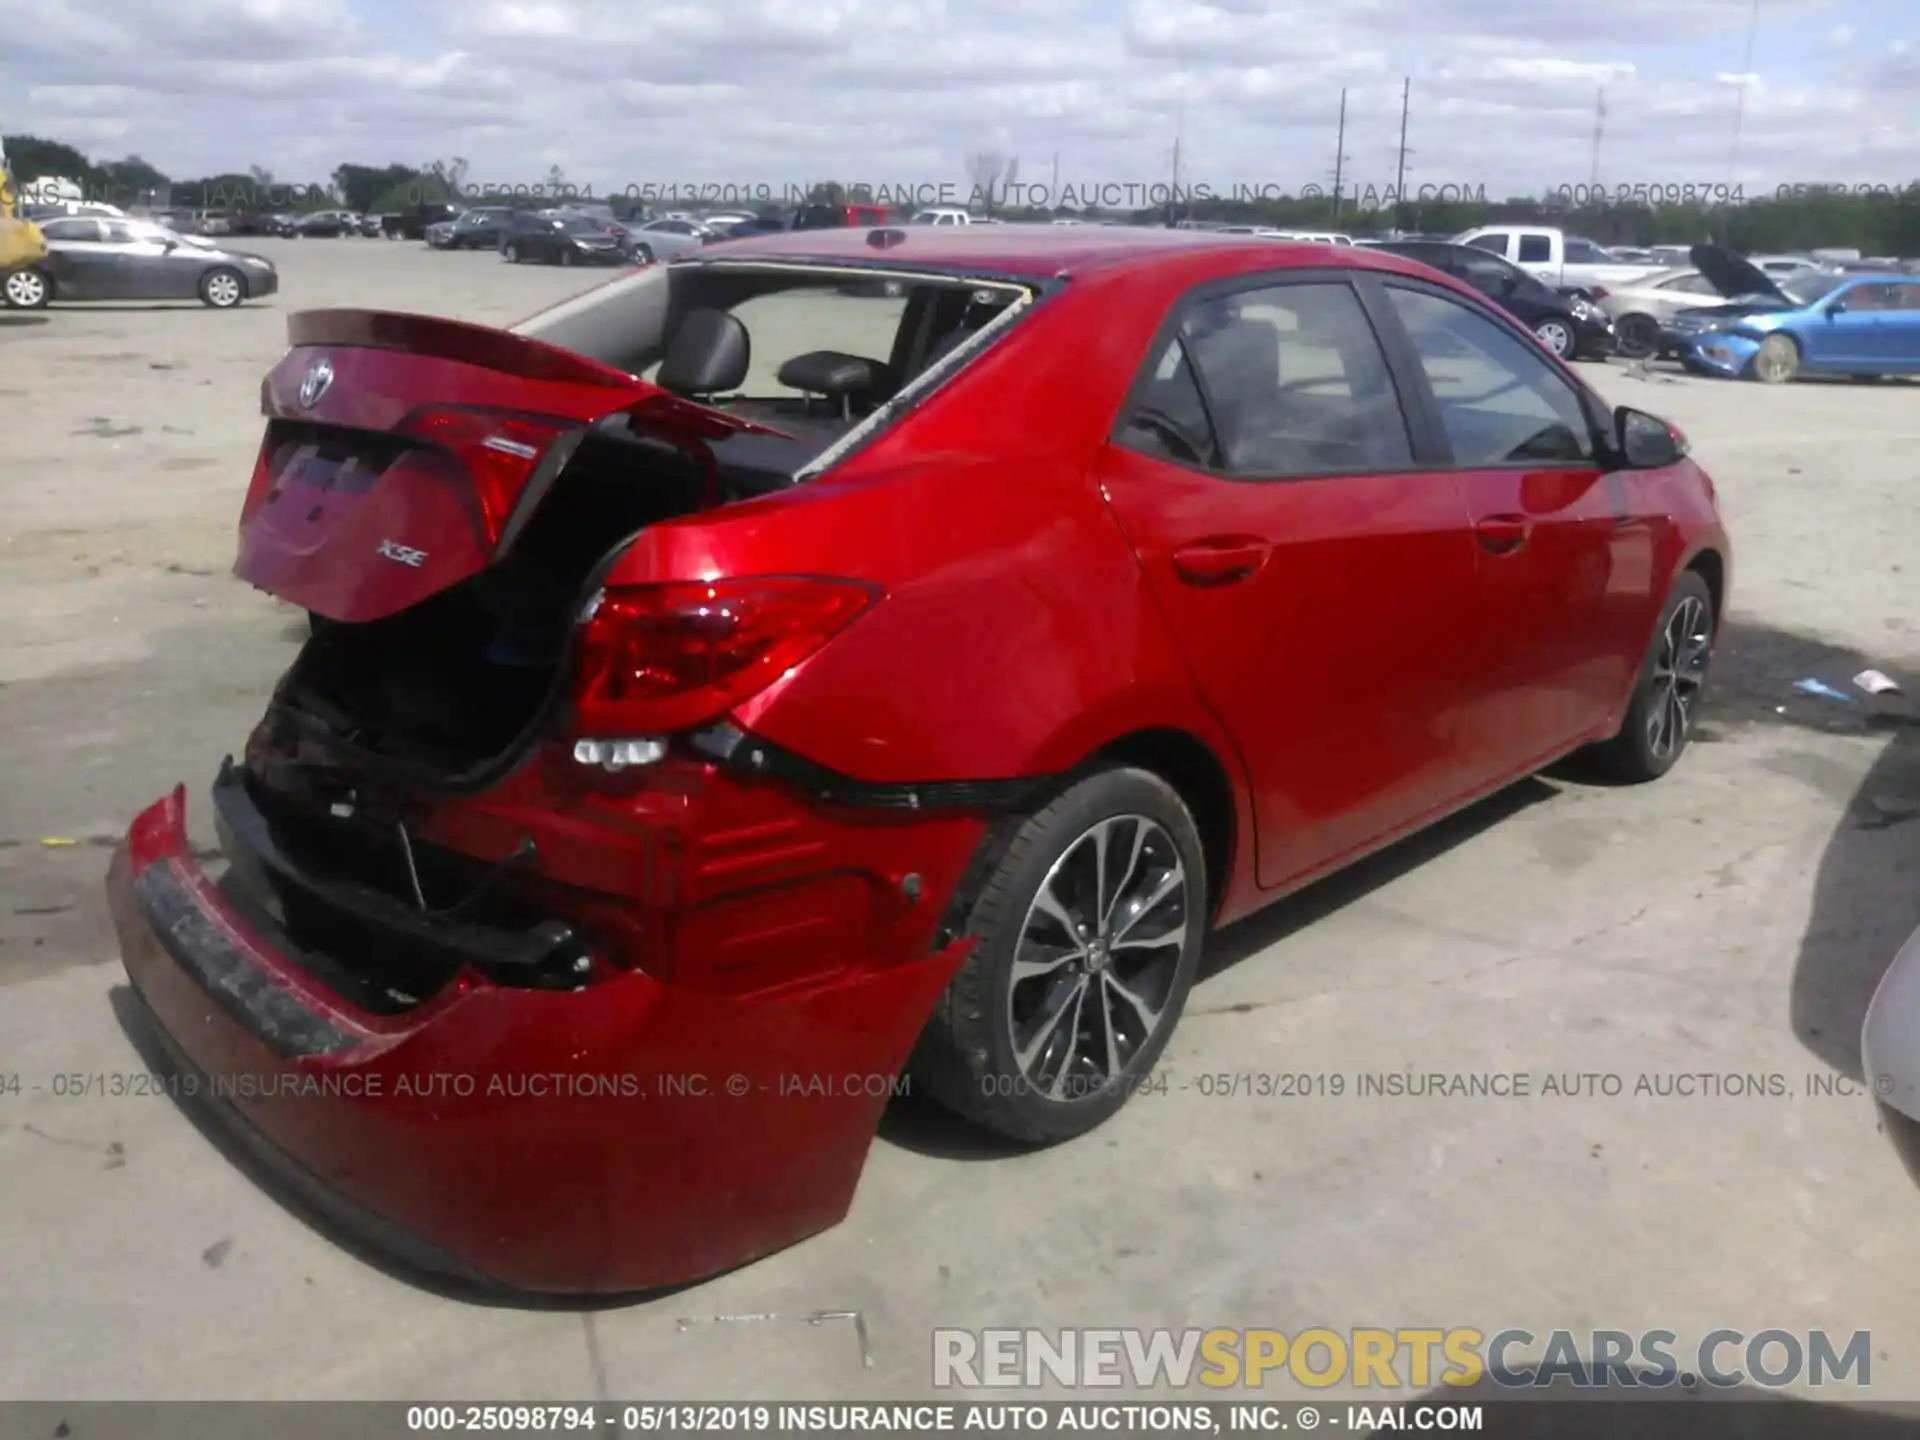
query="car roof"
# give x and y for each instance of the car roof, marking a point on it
(1038, 251)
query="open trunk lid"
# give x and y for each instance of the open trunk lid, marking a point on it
(403, 453)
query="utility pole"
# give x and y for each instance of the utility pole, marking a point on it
(1740, 101)
(1053, 190)
(1599, 125)
(1340, 154)
(1173, 198)
(1400, 172)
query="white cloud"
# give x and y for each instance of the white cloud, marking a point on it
(900, 91)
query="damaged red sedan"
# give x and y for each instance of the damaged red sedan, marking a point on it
(845, 654)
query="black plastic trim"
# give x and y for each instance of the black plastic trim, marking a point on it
(250, 847)
(227, 973)
(740, 751)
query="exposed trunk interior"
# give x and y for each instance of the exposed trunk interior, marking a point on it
(453, 683)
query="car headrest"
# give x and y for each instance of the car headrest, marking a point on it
(709, 354)
(830, 373)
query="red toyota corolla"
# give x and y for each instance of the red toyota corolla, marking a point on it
(740, 684)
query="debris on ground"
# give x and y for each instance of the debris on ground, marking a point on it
(1874, 682)
(1822, 689)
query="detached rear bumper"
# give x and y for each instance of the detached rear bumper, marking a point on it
(624, 1136)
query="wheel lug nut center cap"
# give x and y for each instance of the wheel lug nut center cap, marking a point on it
(1097, 955)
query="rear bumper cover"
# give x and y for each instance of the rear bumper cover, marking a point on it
(625, 1136)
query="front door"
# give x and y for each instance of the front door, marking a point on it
(1566, 558)
(1318, 579)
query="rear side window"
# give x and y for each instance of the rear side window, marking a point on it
(1295, 382)
(1501, 400)
(1536, 249)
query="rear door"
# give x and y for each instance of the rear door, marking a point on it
(78, 259)
(1317, 572)
(1564, 546)
(1901, 351)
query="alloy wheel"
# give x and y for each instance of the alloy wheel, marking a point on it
(1776, 361)
(1096, 958)
(1679, 671)
(223, 290)
(26, 289)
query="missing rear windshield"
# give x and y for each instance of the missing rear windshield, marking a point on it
(826, 355)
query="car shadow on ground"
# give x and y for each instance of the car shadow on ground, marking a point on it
(1867, 897)
(17, 319)
(1741, 1412)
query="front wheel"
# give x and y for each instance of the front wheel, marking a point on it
(512, 252)
(1777, 360)
(1091, 913)
(1638, 337)
(222, 289)
(643, 254)
(1666, 698)
(27, 290)
(567, 257)
(1557, 336)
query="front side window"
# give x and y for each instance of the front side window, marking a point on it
(1501, 400)
(1536, 249)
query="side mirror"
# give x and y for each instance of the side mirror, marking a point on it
(1646, 441)
(1837, 307)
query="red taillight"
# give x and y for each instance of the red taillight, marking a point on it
(500, 451)
(1598, 292)
(654, 659)
(1680, 441)
(261, 485)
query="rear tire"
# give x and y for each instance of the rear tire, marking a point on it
(1666, 698)
(512, 252)
(27, 289)
(643, 254)
(1091, 914)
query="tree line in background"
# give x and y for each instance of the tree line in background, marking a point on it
(1885, 222)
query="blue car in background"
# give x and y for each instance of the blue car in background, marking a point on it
(1820, 323)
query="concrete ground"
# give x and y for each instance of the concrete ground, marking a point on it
(1731, 919)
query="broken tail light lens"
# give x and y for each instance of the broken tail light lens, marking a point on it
(655, 659)
(500, 450)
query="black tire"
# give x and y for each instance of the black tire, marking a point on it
(1637, 753)
(511, 252)
(1637, 337)
(29, 288)
(223, 288)
(966, 1057)
(567, 257)
(643, 254)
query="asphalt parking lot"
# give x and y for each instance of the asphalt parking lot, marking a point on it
(1731, 919)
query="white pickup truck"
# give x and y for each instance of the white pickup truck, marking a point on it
(1564, 261)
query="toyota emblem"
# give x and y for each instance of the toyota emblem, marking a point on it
(319, 377)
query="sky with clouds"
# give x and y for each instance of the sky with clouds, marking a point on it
(899, 92)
